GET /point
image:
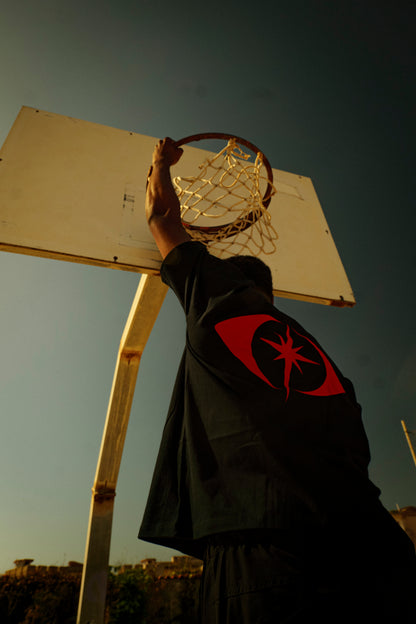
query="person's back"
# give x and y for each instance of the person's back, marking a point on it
(262, 469)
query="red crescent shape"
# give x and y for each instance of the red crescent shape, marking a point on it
(237, 334)
(332, 384)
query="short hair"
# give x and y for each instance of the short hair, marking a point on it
(255, 270)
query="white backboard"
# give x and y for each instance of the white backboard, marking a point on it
(74, 190)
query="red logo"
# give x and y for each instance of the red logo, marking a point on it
(296, 352)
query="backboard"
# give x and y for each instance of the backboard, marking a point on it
(75, 190)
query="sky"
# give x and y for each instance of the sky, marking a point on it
(326, 90)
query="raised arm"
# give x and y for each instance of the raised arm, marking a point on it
(162, 203)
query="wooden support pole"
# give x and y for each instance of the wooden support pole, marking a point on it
(146, 305)
(406, 433)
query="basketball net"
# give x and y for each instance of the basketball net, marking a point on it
(222, 207)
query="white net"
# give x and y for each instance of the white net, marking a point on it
(226, 203)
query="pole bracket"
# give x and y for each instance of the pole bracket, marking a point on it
(103, 494)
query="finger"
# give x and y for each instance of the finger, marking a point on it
(149, 173)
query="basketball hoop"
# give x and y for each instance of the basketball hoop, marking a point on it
(232, 188)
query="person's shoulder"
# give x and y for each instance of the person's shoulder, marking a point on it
(184, 252)
(181, 266)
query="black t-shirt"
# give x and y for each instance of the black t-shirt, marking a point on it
(263, 431)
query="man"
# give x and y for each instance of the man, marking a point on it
(262, 470)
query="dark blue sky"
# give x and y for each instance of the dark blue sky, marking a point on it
(326, 90)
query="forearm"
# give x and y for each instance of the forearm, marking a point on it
(163, 207)
(161, 198)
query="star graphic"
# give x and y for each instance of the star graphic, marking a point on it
(289, 354)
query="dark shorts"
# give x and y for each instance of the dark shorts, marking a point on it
(278, 578)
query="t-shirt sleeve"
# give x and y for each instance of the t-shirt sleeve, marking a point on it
(197, 277)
